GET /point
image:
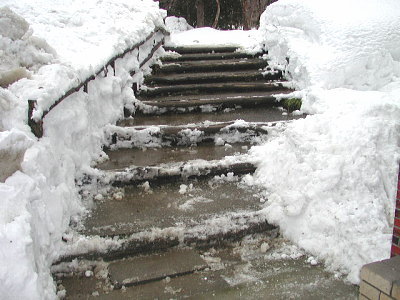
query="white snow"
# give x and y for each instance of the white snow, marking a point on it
(54, 45)
(330, 179)
(76, 39)
(177, 24)
(201, 37)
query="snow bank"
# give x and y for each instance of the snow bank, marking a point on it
(333, 44)
(331, 178)
(82, 37)
(58, 43)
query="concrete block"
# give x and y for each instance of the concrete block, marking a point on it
(369, 291)
(362, 297)
(385, 297)
(382, 274)
(396, 290)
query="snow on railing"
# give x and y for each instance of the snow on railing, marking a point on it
(36, 125)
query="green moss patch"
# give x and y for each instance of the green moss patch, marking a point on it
(291, 104)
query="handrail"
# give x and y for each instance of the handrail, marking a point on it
(37, 125)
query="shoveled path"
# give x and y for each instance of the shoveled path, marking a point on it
(171, 214)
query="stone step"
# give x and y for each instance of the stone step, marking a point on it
(210, 88)
(215, 101)
(206, 56)
(179, 205)
(191, 50)
(184, 135)
(253, 268)
(155, 267)
(167, 172)
(249, 114)
(212, 66)
(214, 77)
(142, 218)
(122, 158)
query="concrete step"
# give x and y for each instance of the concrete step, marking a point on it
(210, 88)
(184, 135)
(249, 114)
(242, 270)
(215, 101)
(214, 77)
(179, 206)
(212, 66)
(124, 157)
(237, 164)
(206, 56)
(190, 50)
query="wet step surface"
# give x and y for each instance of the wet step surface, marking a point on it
(214, 65)
(211, 88)
(225, 100)
(205, 56)
(213, 77)
(176, 205)
(123, 158)
(260, 114)
(258, 267)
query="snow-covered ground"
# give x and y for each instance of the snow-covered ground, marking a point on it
(53, 46)
(247, 40)
(330, 179)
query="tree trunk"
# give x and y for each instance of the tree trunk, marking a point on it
(217, 14)
(252, 10)
(171, 4)
(200, 13)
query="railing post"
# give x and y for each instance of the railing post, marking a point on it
(36, 126)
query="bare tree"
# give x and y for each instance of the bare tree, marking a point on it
(217, 14)
(200, 13)
(170, 4)
(252, 10)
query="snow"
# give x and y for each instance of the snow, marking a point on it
(176, 24)
(73, 40)
(203, 37)
(53, 46)
(330, 179)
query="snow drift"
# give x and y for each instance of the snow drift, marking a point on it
(331, 178)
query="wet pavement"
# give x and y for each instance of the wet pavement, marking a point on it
(139, 208)
(267, 267)
(261, 114)
(123, 158)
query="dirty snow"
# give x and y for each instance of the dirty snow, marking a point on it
(330, 179)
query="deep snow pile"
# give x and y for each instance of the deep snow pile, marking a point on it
(54, 45)
(330, 179)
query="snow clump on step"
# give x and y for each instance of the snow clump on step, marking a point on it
(177, 24)
(330, 179)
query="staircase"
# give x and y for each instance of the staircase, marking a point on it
(171, 212)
